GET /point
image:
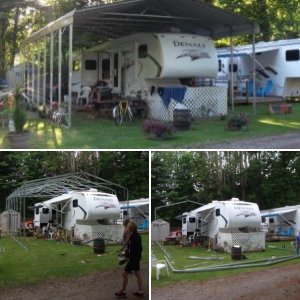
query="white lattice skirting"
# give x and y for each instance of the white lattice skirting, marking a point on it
(252, 241)
(203, 102)
(110, 233)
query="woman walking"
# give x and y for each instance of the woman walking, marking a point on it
(134, 257)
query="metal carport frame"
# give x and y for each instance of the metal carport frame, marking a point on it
(49, 187)
(132, 16)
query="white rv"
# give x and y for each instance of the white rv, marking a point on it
(283, 221)
(189, 223)
(136, 210)
(88, 206)
(227, 223)
(276, 62)
(143, 65)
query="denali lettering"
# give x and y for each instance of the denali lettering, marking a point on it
(189, 44)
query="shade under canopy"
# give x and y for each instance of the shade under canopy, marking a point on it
(132, 16)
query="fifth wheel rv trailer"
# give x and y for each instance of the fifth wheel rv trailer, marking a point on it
(162, 69)
(88, 206)
(283, 221)
(136, 210)
(277, 68)
(226, 223)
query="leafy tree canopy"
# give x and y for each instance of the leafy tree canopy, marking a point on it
(271, 179)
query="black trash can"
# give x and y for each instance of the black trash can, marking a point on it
(236, 252)
(99, 246)
(181, 118)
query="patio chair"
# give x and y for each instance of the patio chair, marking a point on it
(266, 90)
(84, 94)
(158, 265)
(250, 88)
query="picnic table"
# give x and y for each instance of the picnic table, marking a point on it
(105, 107)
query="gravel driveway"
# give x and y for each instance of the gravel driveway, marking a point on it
(274, 284)
(95, 286)
(281, 141)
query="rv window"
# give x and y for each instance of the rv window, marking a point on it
(91, 65)
(235, 68)
(75, 203)
(292, 55)
(218, 213)
(183, 220)
(220, 65)
(45, 211)
(192, 220)
(271, 220)
(37, 211)
(263, 219)
(143, 51)
(76, 65)
(125, 213)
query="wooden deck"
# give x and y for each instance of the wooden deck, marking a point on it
(276, 238)
(249, 100)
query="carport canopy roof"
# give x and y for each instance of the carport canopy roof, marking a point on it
(132, 16)
(50, 187)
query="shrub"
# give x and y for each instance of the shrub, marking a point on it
(237, 121)
(159, 130)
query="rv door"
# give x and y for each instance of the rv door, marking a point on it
(104, 67)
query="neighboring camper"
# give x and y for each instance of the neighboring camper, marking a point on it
(226, 223)
(136, 210)
(283, 221)
(88, 206)
(277, 68)
(189, 223)
(143, 65)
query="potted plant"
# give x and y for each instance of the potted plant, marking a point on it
(19, 137)
(158, 130)
(237, 122)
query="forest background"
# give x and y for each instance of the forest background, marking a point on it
(128, 169)
(270, 179)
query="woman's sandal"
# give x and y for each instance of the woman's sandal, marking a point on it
(121, 293)
(138, 294)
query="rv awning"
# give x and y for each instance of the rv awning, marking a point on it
(132, 206)
(277, 213)
(132, 16)
(239, 51)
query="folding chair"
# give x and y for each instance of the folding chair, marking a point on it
(158, 265)
(84, 94)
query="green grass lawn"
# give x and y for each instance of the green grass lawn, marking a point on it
(179, 257)
(49, 260)
(104, 134)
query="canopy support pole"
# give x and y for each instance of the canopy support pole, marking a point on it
(39, 81)
(231, 74)
(70, 74)
(28, 78)
(33, 79)
(254, 66)
(45, 72)
(59, 65)
(51, 69)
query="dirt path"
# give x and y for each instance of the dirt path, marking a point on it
(273, 284)
(282, 141)
(96, 286)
